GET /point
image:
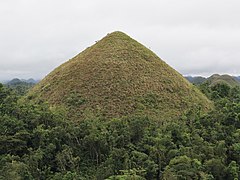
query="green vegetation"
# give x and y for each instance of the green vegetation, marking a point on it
(39, 142)
(117, 77)
(21, 87)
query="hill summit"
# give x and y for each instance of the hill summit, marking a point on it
(116, 77)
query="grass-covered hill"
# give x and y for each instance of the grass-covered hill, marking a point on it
(215, 79)
(219, 79)
(116, 77)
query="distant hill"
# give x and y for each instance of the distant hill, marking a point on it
(227, 79)
(237, 78)
(215, 79)
(17, 80)
(14, 81)
(21, 86)
(118, 77)
(196, 79)
(31, 80)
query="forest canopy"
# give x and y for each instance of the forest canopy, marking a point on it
(39, 142)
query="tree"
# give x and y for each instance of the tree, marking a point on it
(183, 167)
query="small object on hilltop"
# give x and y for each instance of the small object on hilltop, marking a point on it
(118, 77)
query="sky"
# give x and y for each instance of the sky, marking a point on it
(195, 37)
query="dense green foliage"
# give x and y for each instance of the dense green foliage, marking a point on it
(37, 142)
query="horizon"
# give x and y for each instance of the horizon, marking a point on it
(193, 75)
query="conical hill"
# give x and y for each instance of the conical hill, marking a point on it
(116, 77)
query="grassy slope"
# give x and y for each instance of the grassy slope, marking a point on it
(118, 76)
(227, 79)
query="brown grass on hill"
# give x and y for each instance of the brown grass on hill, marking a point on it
(117, 77)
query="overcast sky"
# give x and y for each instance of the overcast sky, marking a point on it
(196, 37)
